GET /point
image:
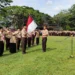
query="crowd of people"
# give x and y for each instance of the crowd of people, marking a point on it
(61, 33)
(20, 39)
(14, 40)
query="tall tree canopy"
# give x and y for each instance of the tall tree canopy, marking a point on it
(19, 15)
(66, 18)
(3, 3)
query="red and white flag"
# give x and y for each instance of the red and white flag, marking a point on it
(31, 25)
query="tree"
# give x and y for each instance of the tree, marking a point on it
(3, 12)
(4, 3)
(66, 19)
(21, 13)
(62, 19)
(72, 18)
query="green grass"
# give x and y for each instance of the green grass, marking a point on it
(56, 61)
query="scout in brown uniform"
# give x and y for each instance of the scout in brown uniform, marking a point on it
(7, 39)
(13, 42)
(18, 39)
(24, 39)
(44, 37)
(37, 37)
(1, 42)
(12, 47)
(29, 39)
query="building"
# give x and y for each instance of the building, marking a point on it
(51, 27)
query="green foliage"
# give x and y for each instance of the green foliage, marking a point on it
(20, 14)
(72, 18)
(4, 3)
(68, 27)
(3, 12)
(65, 18)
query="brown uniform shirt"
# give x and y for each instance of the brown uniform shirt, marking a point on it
(19, 34)
(44, 33)
(1, 36)
(29, 35)
(8, 34)
(13, 37)
(24, 33)
(37, 34)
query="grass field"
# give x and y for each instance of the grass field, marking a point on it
(56, 61)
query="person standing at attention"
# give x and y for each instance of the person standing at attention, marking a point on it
(24, 39)
(37, 37)
(44, 37)
(18, 39)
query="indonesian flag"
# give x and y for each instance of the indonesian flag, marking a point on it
(31, 25)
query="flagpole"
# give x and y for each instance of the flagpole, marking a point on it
(71, 46)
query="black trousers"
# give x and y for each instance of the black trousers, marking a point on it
(29, 41)
(44, 40)
(33, 39)
(7, 43)
(24, 44)
(37, 41)
(1, 48)
(12, 47)
(18, 40)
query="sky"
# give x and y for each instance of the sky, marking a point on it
(51, 7)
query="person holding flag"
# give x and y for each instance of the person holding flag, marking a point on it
(24, 39)
(31, 26)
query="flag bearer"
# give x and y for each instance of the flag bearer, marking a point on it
(24, 39)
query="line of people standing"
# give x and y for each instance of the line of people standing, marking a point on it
(21, 39)
(16, 39)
